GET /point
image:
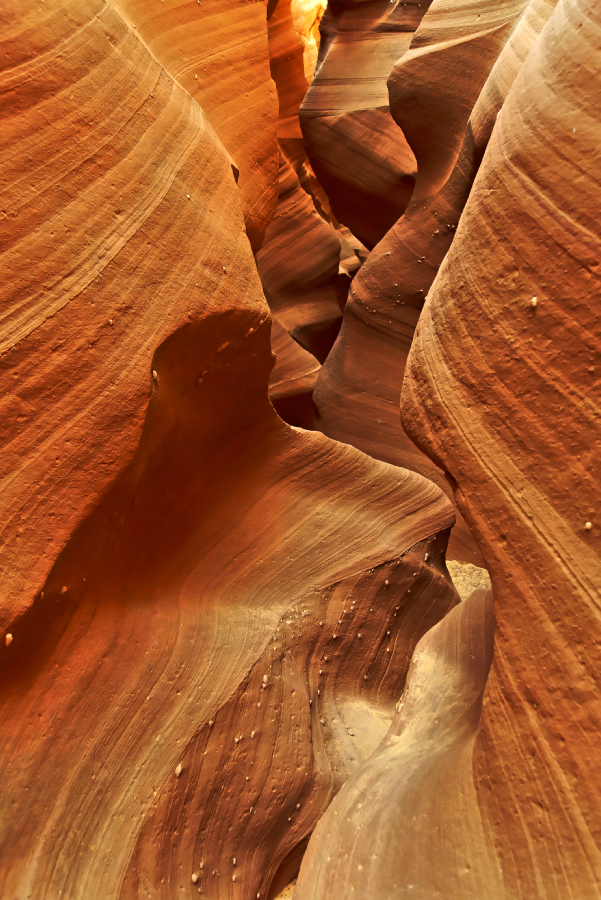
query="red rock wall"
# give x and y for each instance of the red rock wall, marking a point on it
(193, 593)
(387, 295)
(298, 262)
(222, 633)
(122, 226)
(218, 52)
(359, 156)
(514, 419)
(298, 265)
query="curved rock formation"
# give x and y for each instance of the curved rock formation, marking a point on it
(407, 824)
(434, 86)
(292, 379)
(218, 52)
(299, 260)
(121, 225)
(293, 50)
(387, 295)
(500, 389)
(298, 265)
(294, 38)
(199, 602)
(359, 156)
(222, 642)
(207, 614)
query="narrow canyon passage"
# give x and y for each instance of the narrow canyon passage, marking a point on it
(299, 361)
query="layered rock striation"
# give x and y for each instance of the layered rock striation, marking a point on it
(514, 419)
(358, 154)
(225, 639)
(407, 823)
(387, 295)
(219, 53)
(207, 615)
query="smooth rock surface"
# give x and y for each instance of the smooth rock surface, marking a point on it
(122, 226)
(434, 85)
(514, 418)
(299, 260)
(207, 615)
(387, 295)
(359, 156)
(407, 824)
(218, 51)
(298, 266)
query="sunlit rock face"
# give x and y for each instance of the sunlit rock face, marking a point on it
(204, 610)
(230, 646)
(219, 53)
(387, 295)
(418, 786)
(358, 154)
(517, 430)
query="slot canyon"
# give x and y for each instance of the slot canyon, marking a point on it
(300, 531)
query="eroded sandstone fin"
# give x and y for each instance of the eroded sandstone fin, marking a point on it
(362, 160)
(407, 823)
(387, 294)
(522, 298)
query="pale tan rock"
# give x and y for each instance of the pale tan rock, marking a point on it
(407, 824)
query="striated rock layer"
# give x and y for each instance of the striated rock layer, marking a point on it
(207, 615)
(298, 262)
(359, 156)
(298, 265)
(218, 619)
(122, 226)
(502, 390)
(407, 824)
(218, 51)
(292, 379)
(387, 294)
(434, 86)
